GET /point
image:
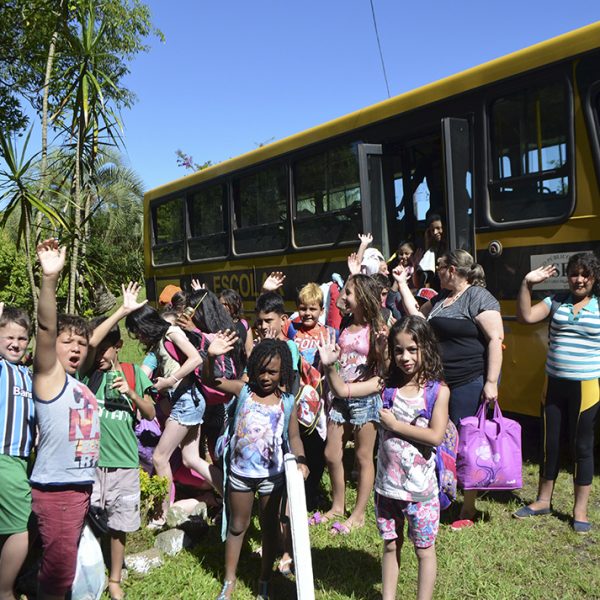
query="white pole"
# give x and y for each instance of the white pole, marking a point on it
(305, 587)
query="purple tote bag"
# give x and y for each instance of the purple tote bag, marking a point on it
(489, 452)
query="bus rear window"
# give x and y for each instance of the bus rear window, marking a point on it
(327, 193)
(168, 229)
(530, 152)
(206, 216)
(261, 211)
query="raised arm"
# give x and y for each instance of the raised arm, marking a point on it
(490, 323)
(366, 239)
(432, 435)
(48, 373)
(130, 304)
(408, 300)
(525, 312)
(223, 342)
(273, 282)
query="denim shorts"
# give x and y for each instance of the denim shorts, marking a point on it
(356, 411)
(188, 407)
(265, 486)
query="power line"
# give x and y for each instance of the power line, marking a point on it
(387, 85)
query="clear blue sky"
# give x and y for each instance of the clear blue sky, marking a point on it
(234, 74)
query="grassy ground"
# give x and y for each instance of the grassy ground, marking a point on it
(499, 558)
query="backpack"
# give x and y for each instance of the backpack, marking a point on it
(445, 453)
(309, 403)
(224, 366)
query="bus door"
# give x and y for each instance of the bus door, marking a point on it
(372, 195)
(458, 183)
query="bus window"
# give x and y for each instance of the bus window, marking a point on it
(168, 230)
(418, 175)
(206, 216)
(529, 154)
(327, 194)
(261, 211)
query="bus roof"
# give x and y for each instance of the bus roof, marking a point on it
(550, 51)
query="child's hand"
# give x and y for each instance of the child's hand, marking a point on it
(51, 257)
(130, 294)
(273, 282)
(387, 419)
(353, 264)
(120, 383)
(270, 333)
(163, 383)
(540, 274)
(381, 341)
(366, 239)
(1, 308)
(185, 322)
(329, 351)
(304, 470)
(196, 285)
(399, 274)
(223, 342)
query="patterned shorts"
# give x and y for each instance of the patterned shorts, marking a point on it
(423, 519)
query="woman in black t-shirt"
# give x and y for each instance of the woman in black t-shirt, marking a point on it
(466, 319)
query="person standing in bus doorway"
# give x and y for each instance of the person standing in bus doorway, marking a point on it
(434, 246)
(572, 368)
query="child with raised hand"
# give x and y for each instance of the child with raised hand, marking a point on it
(17, 427)
(359, 360)
(406, 486)
(178, 384)
(69, 431)
(262, 427)
(117, 485)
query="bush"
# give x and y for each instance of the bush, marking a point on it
(153, 490)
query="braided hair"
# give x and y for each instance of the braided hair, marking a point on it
(262, 354)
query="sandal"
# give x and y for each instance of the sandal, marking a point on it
(226, 585)
(156, 524)
(322, 518)
(284, 567)
(342, 529)
(109, 592)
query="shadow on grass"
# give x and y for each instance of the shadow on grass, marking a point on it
(346, 571)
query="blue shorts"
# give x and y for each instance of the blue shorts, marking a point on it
(356, 411)
(188, 407)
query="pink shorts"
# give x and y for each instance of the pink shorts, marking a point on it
(423, 519)
(60, 514)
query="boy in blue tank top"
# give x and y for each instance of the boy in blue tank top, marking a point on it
(17, 429)
(69, 431)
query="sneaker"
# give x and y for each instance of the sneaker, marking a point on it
(461, 524)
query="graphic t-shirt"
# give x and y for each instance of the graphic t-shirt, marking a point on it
(405, 469)
(257, 446)
(69, 441)
(118, 444)
(354, 346)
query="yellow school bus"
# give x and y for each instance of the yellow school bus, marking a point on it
(507, 152)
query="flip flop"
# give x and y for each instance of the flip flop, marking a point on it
(461, 524)
(322, 518)
(315, 519)
(339, 529)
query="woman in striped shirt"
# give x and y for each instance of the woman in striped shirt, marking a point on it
(572, 369)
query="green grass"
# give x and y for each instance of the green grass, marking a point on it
(499, 558)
